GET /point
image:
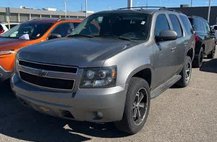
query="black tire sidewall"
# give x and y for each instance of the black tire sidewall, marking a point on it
(182, 82)
(134, 86)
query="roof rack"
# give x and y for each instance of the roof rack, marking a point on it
(43, 18)
(175, 10)
(63, 19)
(56, 19)
(143, 8)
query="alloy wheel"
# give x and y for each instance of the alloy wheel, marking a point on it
(140, 106)
(188, 72)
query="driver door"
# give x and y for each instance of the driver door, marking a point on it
(163, 58)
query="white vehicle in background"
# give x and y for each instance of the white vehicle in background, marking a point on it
(214, 28)
(4, 27)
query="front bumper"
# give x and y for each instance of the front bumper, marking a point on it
(4, 75)
(94, 105)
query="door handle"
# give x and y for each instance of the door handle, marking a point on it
(173, 49)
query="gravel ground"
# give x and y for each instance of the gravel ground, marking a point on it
(178, 115)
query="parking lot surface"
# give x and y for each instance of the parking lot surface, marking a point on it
(178, 115)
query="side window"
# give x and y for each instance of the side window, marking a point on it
(13, 25)
(75, 24)
(198, 25)
(207, 27)
(63, 29)
(162, 24)
(7, 26)
(176, 24)
(186, 24)
(93, 27)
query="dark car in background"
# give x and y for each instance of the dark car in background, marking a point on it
(205, 40)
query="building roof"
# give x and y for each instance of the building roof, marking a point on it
(43, 12)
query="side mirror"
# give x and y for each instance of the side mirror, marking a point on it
(54, 36)
(212, 31)
(167, 35)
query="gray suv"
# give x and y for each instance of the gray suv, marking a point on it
(109, 68)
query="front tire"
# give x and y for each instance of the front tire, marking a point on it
(185, 73)
(136, 107)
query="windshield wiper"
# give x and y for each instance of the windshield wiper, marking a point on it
(124, 38)
(80, 35)
(4, 37)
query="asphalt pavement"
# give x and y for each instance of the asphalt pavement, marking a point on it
(178, 115)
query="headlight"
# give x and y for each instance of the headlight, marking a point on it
(6, 52)
(16, 63)
(99, 77)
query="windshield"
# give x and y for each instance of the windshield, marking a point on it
(130, 25)
(34, 30)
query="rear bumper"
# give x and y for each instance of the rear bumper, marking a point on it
(4, 75)
(94, 105)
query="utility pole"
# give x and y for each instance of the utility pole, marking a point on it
(191, 3)
(65, 4)
(8, 16)
(85, 8)
(209, 10)
(81, 7)
(130, 4)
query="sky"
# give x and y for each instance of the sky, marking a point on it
(98, 5)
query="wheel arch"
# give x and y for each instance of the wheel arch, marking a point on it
(144, 72)
(191, 53)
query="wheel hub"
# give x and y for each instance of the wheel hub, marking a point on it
(188, 72)
(140, 106)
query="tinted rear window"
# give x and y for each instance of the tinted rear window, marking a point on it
(176, 24)
(197, 24)
(76, 24)
(162, 24)
(187, 24)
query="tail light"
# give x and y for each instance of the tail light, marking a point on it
(2, 31)
(196, 38)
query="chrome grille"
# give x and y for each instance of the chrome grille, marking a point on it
(48, 76)
(48, 67)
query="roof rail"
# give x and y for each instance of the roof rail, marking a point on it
(143, 8)
(175, 10)
(42, 18)
(56, 19)
(63, 19)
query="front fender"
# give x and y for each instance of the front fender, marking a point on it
(135, 71)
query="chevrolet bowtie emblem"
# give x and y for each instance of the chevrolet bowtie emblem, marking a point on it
(42, 73)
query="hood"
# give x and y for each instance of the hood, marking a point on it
(10, 43)
(74, 51)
